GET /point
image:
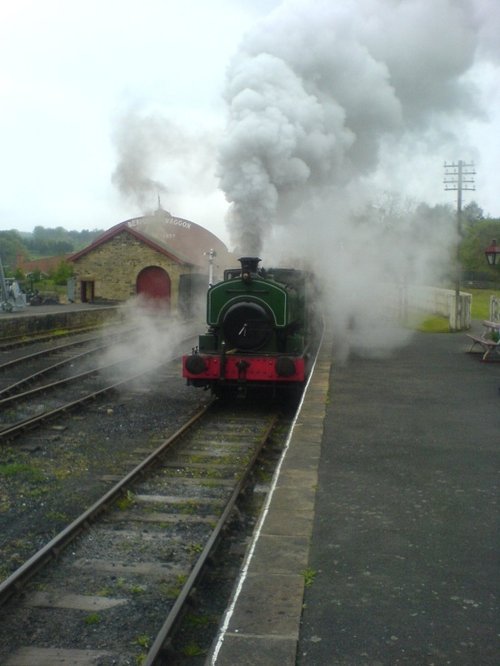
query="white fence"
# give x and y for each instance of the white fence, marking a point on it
(441, 302)
(494, 308)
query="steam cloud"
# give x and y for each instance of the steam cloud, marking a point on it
(326, 103)
(149, 143)
(157, 340)
(319, 89)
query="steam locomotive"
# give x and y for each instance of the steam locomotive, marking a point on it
(261, 325)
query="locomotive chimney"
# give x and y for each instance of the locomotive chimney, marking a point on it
(249, 264)
(248, 267)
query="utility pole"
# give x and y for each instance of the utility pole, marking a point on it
(458, 177)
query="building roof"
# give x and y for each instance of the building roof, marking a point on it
(122, 228)
(180, 240)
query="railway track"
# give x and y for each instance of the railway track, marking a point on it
(16, 342)
(13, 363)
(17, 370)
(117, 593)
(22, 410)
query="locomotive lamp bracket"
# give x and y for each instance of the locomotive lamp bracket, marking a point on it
(222, 370)
(242, 368)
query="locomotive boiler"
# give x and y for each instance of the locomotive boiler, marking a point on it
(261, 324)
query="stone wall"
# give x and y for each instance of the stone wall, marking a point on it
(31, 322)
(115, 265)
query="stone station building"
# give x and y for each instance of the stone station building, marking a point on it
(160, 257)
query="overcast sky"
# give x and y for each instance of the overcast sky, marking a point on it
(100, 96)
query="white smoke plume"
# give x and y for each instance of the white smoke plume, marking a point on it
(318, 88)
(158, 156)
(156, 338)
(327, 102)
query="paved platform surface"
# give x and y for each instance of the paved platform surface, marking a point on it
(386, 504)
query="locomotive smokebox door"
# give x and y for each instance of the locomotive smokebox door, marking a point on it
(247, 325)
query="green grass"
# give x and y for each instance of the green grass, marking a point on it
(480, 310)
(309, 576)
(125, 502)
(193, 650)
(144, 641)
(434, 324)
(93, 618)
(22, 470)
(481, 301)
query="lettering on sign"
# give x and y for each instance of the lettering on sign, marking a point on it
(177, 222)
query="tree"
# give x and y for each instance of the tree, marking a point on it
(476, 238)
(62, 273)
(472, 213)
(10, 246)
(51, 242)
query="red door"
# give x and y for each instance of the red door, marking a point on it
(153, 283)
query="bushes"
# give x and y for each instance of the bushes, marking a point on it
(62, 273)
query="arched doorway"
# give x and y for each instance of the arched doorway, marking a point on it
(153, 284)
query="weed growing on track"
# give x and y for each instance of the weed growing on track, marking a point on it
(125, 502)
(193, 650)
(144, 641)
(22, 471)
(309, 576)
(93, 618)
(173, 591)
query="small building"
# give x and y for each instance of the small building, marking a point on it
(160, 257)
(44, 264)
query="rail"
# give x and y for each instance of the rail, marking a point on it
(11, 584)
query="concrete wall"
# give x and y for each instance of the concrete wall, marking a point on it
(115, 265)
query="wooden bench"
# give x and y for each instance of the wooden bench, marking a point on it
(489, 346)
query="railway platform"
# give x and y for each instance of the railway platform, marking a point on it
(34, 320)
(379, 541)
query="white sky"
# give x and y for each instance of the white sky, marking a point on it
(70, 69)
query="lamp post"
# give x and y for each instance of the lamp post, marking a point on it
(492, 253)
(211, 254)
